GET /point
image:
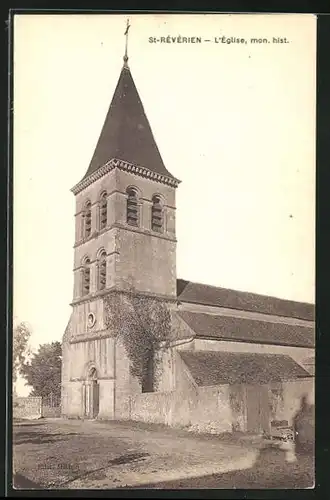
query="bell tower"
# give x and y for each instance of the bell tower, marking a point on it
(125, 206)
(124, 240)
(125, 210)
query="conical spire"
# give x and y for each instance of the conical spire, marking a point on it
(126, 134)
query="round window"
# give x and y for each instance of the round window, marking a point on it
(91, 320)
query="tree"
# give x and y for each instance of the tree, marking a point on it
(21, 349)
(144, 326)
(43, 370)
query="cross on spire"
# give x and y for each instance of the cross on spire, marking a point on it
(126, 42)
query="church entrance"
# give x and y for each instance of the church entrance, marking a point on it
(91, 396)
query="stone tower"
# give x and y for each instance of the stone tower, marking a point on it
(124, 239)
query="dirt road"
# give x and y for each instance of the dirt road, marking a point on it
(90, 454)
(73, 454)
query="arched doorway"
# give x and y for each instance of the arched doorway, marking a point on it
(91, 394)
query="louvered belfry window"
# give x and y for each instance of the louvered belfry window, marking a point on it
(86, 275)
(132, 208)
(103, 211)
(102, 271)
(88, 219)
(157, 215)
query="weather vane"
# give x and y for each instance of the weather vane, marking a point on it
(126, 43)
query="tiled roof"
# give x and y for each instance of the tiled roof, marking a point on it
(126, 134)
(247, 330)
(198, 293)
(216, 368)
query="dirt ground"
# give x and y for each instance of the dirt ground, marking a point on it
(69, 454)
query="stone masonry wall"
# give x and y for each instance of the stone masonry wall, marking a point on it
(27, 407)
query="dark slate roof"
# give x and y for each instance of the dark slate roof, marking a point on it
(198, 293)
(248, 330)
(126, 133)
(216, 368)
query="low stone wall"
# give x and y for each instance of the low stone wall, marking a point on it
(152, 407)
(217, 409)
(28, 407)
(33, 408)
(203, 410)
(212, 412)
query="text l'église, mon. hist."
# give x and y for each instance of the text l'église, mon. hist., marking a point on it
(217, 40)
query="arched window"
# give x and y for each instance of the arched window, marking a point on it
(88, 219)
(156, 214)
(103, 211)
(102, 267)
(148, 372)
(92, 375)
(86, 277)
(132, 207)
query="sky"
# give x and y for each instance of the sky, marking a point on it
(235, 122)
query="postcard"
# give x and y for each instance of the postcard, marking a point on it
(164, 214)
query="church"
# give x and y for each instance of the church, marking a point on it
(226, 361)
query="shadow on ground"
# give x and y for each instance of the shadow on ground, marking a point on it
(22, 482)
(270, 471)
(35, 438)
(27, 423)
(100, 473)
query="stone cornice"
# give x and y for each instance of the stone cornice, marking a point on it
(102, 293)
(89, 336)
(128, 167)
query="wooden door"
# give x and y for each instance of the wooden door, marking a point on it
(257, 408)
(252, 409)
(95, 399)
(264, 409)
